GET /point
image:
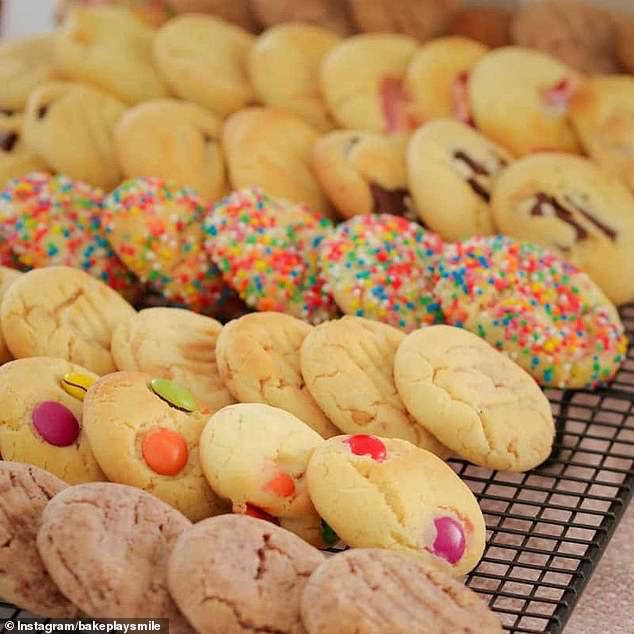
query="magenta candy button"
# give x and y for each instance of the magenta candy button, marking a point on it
(55, 423)
(450, 542)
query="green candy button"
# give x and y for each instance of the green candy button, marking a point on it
(173, 394)
(329, 537)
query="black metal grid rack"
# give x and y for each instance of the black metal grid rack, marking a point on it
(547, 529)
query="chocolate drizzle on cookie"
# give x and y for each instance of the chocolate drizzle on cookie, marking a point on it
(350, 144)
(478, 170)
(8, 141)
(389, 201)
(5, 112)
(41, 111)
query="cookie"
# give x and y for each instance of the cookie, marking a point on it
(361, 80)
(489, 25)
(474, 399)
(283, 67)
(519, 99)
(380, 267)
(437, 78)
(347, 365)
(173, 140)
(41, 421)
(153, 12)
(547, 315)
(366, 591)
(54, 220)
(328, 14)
(110, 48)
(230, 571)
(271, 149)
(386, 493)
(7, 277)
(203, 60)
(255, 455)
(602, 112)
(70, 127)
(258, 360)
(451, 172)
(24, 492)
(363, 172)
(24, 64)
(267, 249)
(63, 312)
(155, 227)
(16, 158)
(577, 33)
(106, 546)
(566, 203)
(237, 12)
(174, 344)
(624, 37)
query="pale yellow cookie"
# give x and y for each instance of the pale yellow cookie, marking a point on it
(111, 48)
(283, 67)
(174, 140)
(174, 344)
(387, 493)
(145, 433)
(474, 399)
(63, 312)
(41, 405)
(258, 359)
(16, 158)
(203, 60)
(7, 277)
(451, 170)
(347, 365)
(272, 149)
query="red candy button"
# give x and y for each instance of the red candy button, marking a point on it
(450, 542)
(364, 445)
(55, 423)
(165, 451)
(281, 485)
(257, 512)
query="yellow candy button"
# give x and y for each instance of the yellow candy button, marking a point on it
(77, 384)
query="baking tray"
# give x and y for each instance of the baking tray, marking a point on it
(547, 529)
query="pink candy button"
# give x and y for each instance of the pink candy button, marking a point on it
(55, 423)
(450, 542)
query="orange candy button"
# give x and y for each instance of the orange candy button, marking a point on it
(281, 485)
(165, 451)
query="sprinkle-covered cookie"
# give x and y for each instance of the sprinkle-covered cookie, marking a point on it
(381, 267)
(545, 313)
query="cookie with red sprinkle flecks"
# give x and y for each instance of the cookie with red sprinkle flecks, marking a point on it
(53, 220)
(545, 313)
(155, 228)
(267, 250)
(381, 267)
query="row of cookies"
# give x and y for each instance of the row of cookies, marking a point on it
(86, 549)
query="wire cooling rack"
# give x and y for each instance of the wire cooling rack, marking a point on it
(547, 529)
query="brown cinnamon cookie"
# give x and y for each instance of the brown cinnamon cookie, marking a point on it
(625, 40)
(106, 545)
(235, 573)
(371, 591)
(24, 492)
(235, 11)
(489, 25)
(330, 14)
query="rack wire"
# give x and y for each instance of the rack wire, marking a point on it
(547, 529)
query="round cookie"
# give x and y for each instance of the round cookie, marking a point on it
(237, 12)
(7, 277)
(110, 48)
(602, 112)
(173, 344)
(267, 249)
(174, 140)
(16, 158)
(24, 64)
(566, 203)
(41, 417)
(363, 172)
(255, 455)
(366, 591)
(387, 493)
(546, 314)
(259, 362)
(231, 570)
(328, 14)
(24, 492)
(380, 267)
(519, 98)
(107, 546)
(437, 78)
(203, 60)
(490, 25)
(145, 432)
(474, 399)
(63, 312)
(347, 365)
(283, 67)
(361, 80)
(272, 149)
(70, 127)
(451, 169)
